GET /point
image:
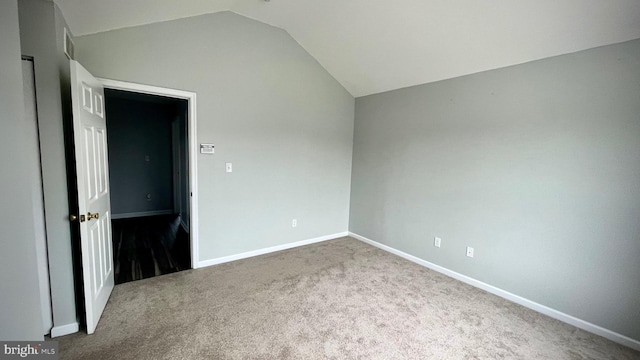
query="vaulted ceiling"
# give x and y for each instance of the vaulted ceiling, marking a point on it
(371, 46)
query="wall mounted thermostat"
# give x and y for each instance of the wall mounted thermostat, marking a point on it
(207, 149)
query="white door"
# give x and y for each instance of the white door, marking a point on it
(90, 134)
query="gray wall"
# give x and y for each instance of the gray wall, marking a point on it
(536, 166)
(20, 317)
(41, 33)
(269, 107)
(136, 130)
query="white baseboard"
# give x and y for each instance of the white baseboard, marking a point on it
(571, 320)
(141, 214)
(65, 329)
(253, 253)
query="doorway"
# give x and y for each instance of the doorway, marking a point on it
(148, 158)
(151, 171)
(93, 193)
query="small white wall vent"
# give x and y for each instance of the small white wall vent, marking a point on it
(69, 47)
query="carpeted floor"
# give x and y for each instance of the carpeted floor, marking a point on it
(340, 299)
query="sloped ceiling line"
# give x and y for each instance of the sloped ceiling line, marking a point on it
(372, 46)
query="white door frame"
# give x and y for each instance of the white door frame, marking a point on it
(193, 147)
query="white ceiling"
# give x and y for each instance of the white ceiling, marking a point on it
(372, 46)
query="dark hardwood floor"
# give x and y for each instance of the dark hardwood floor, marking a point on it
(149, 246)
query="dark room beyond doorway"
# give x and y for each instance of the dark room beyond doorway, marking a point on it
(148, 173)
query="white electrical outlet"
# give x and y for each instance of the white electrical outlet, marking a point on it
(437, 241)
(294, 222)
(469, 251)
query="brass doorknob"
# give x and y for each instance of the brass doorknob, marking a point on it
(75, 217)
(92, 216)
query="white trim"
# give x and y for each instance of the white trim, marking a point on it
(65, 329)
(193, 147)
(141, 213)
(193, 180)
(253, 253)
(571, 320)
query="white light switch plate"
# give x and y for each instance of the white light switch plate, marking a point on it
(229, 167)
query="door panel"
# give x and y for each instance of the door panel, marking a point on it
(89, 168)
(99, 105)
(95, 246)
(101, 161)
(92, 168)
(87, 99)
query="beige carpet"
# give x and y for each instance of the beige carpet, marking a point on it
(340, 299)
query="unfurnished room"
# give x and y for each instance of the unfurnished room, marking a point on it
(278, 179)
